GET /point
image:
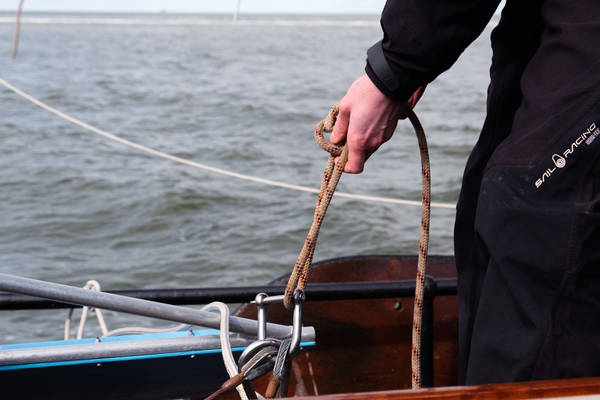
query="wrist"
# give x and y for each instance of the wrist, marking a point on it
(384, 78)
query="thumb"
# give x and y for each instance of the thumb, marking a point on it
(340, 129)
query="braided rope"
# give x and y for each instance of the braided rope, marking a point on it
(423, 248)
(331, 177)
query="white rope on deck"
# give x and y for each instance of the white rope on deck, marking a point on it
(90, 285)
(194, 164)
(226, 351)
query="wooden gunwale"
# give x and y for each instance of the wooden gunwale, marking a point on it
(580, 388)
(363, 346)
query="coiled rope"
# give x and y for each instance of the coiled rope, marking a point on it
(331, 177)
(205, 167)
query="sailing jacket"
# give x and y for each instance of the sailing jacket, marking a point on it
(527, 231)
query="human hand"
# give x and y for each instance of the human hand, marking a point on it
(367, 118)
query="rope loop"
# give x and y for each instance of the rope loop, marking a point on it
(331, 177)
(326, 125)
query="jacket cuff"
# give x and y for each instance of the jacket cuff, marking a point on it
(382, 76)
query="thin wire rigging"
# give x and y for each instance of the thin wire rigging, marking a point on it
(205, 167)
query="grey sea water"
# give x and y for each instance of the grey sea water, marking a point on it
(245, 97)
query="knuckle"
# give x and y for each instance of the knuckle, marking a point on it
(363, 143)
(358, 146)
(344, 107)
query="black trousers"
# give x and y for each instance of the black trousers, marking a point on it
(527, 234)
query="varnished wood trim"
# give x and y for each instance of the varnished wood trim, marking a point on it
(564, 388)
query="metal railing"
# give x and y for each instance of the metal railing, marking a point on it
(314, 292)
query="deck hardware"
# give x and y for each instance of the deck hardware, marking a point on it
(299, 298)
(398, 306)
(103, 300)
(282, 357)
(260, 364)
(294, 345)
(253, 348)
(262, 315)
(243, 294)
(287, 347)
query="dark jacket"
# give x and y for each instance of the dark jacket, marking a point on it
(527, 233)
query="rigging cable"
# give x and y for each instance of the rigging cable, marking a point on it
(195, 164)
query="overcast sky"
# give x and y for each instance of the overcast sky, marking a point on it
(200, 6)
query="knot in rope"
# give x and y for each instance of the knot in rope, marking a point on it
(327, 126)
(331, 176)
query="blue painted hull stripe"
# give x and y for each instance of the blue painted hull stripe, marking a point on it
(127, 358)
(123, 338)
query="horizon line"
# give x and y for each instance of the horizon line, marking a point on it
(8, 11)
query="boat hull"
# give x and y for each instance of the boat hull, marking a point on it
(364, 345)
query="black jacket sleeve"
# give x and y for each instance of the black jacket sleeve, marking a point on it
(422, 39)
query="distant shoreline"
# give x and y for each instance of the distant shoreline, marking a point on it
(183, 13)
(196, 19)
